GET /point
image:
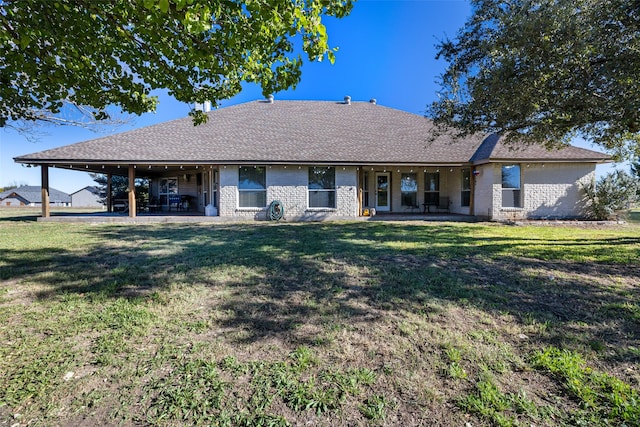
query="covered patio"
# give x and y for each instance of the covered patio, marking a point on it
(174, 190)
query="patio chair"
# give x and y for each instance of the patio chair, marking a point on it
(154, 205)
(174, 202)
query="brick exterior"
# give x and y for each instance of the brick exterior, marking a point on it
(551, 190)
(288, 184)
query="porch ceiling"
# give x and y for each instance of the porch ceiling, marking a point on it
(151, 170)
(122, 169)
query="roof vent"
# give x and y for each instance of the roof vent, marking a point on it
(270, 99)
(347, 100)
(372, 101)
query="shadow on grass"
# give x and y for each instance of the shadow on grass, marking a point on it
(280, 278)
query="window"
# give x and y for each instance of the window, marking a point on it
(511, 186)
(365, 191)
(465, 194)
(168, 189)
(409, 189)
(322, 187)
(252, 187)
(432, 188)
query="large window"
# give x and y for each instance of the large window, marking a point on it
(432, 188)
(365, 192)
(511, 186)
(409, 190)
(168, 190)
(252, 187)
(322, 187)
(465, 194)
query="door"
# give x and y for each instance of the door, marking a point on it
(383, 193)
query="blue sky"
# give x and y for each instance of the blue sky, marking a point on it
(386, 51)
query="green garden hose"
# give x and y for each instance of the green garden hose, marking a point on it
(276, 210)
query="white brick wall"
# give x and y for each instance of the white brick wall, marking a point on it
(288, 184)
(483, 203)
(549, 190)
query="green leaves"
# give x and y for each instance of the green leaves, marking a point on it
(544, 71)
(115, 53)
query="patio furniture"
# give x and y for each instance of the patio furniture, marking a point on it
(185, 203)
(154, 205)
(120, 205)
(442, 204)
(174, 202)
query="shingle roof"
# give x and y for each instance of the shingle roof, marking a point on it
(280, 132)
(33, 194)
(90, 188)
(492, 149)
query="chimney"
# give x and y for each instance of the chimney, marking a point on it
(372, 101)
(347, 100)
(270, 99)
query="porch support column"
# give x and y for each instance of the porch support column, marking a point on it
(109, 193)
(46, 209)
(132, 191)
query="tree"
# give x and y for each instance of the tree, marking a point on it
(613, 193)
(93, 54)
(120, 187)
(635, 168)
(544, 71)
(635, 172)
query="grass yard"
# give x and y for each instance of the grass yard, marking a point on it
(334, 324)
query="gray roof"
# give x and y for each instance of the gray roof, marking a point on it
(33, 194)
(90, 188)
(492, 149)
(307, 132)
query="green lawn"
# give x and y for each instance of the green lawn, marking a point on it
(345, 323)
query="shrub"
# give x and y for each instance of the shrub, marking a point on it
(611, 195)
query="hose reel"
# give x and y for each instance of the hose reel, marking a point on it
(275, 211)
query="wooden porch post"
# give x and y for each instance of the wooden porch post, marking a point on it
(109, 195)
(46, 209)
(132, 191)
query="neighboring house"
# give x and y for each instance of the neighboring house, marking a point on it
(333, 160)
(29, 195)
(87, 197)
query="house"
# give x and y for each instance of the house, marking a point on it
(332, 160)
(87, 197)
(29, 195)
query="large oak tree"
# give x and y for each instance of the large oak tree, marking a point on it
(93, 54)
(544, 71)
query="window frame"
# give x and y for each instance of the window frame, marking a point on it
(511, 191)
(260, 193)
(465, 188)
(405, 194)
(163, 196)
(432, 197)
(365, 189)
(313, 194)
